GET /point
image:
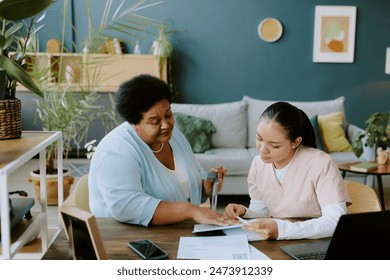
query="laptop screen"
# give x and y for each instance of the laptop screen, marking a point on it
(361, 236)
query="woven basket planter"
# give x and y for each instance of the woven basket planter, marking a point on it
(10, 119)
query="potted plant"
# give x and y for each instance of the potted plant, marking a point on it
(377, 134)
(162, 47)
(62, 109)
(12, 55)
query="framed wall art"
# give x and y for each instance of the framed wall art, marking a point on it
(334, 34)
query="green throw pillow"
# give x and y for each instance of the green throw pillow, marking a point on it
(198, 131)
(314, 123)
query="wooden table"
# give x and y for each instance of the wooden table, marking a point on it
(115, 236)
(383, 169)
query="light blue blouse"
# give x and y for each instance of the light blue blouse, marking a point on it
(126, 181)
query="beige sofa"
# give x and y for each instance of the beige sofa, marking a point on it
(233, 142)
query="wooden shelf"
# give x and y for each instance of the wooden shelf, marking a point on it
(107, 71)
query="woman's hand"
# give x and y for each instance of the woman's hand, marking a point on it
(266, 227)
(209, 217)
(233, 210)
(209, 183)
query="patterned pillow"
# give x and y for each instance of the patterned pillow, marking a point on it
(198, 131)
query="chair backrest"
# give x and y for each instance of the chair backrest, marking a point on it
(364, 198)
(81, 198)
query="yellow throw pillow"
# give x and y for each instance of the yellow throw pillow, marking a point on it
(332, 133)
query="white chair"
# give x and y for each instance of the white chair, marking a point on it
(81, 194)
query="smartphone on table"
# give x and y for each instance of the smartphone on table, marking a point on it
(147, 250)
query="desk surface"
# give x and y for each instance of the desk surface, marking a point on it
(115, 236)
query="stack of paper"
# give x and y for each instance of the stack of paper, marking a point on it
(235, 247)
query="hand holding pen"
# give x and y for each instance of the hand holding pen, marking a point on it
(241, 220)
(233, 210)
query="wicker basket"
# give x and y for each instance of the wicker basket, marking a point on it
(10, 119)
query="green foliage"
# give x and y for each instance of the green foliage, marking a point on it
(21, 9)
(11, 12)
(377, 133)
(62, 109)
(124, 21)
(162, 47)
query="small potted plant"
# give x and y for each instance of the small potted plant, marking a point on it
(377, 135)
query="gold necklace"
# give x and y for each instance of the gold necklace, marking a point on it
(159, 150)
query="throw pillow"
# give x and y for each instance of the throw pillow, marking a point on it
(314, 123)
(198, 131)
(233, 135)
(332, 133)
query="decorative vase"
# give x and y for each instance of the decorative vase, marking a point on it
(383, 157)
(10, 118)
(52, 186)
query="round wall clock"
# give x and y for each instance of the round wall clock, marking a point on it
(270, 29)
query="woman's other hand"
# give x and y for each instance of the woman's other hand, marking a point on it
(266, 227)
(233, 210)
(209, 183)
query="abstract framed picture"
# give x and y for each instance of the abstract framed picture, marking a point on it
(334, 34)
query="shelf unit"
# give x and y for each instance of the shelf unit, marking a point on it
(13, 154)
(106, 70)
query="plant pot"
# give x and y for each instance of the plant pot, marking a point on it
(383, 157)
(52, 186)
(10, 119)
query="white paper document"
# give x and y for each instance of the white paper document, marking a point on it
(218, 248)
(251, 235)
(256, 254)
(235, 229)
(214, 248)
(204, 228)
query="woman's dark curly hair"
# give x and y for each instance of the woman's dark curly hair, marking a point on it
(138, 95)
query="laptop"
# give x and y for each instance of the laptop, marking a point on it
(360, 236)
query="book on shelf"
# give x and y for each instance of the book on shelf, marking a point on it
(364, 166)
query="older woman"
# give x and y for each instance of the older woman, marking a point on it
(144, 171)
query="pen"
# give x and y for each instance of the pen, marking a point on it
(241, 220)
(214, 196)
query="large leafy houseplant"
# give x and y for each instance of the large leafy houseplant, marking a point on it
(377, 133)
(12, 50)
(14, 16)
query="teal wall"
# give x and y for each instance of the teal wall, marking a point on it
(219, 56)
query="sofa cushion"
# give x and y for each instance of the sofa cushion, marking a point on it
(236, 160)
(344, 157)
(256, 107)
(229, 120)
(316, 128)
(198, 131)
(333, 133)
